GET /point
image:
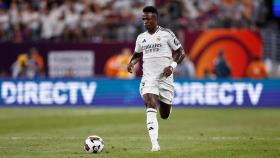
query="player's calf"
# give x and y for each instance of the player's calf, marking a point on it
(164, 116)
(164, 110)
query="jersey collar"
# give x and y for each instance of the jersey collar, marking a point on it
(158, 27)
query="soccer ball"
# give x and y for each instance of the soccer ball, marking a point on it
(94, 144)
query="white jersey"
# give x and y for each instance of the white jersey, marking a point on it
(157, 50)
(158, 44)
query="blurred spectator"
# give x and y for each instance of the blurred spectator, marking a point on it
(230, 13)
(69, 73)
(185, 69)
(31, 69)
(31, 22)
(86, 23)
(123, 59)
(72, 31)
(59, 28)
(18, 66)
(208, 74)
(268, 66)
(38, 59)
(110, 68)
(4, 25)
(116, 65)
(277, 74)
(14, 13)
(221, 67)
(47, 24)
(256, 69)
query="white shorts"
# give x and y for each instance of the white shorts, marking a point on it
(162, 87)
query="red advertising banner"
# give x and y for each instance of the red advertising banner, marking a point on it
(240, 47)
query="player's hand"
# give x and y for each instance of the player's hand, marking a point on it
(167, 71)
(130, 67)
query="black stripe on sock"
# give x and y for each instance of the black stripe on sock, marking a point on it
(152, 111)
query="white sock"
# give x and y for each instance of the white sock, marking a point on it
(152, 125)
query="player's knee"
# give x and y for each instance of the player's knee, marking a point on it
(151, 103)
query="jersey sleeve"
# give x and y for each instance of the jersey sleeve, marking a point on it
(138, 48)
(173, 42)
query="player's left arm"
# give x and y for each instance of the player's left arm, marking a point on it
(178, 58)
(179, 55)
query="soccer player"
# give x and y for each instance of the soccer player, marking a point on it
(156, 87)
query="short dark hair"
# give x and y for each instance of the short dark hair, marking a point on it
(150, 9)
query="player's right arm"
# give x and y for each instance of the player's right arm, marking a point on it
(136, 55)
(134, 60)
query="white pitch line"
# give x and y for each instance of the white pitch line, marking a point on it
(38, 138)
(201, 138)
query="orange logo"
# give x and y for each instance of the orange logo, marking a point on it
(240, 47)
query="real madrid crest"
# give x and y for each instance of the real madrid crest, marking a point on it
(158, 38)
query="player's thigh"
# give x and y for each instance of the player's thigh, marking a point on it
(149, 85)
(149, 91)
(166, 92)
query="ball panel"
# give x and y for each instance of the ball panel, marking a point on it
(86, 147)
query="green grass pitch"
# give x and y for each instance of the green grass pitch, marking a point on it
(189, 133)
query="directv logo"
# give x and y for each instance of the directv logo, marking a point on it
(214, 93)
(47, 92)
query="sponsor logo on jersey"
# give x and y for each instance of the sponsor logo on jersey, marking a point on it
(152, 47)
(149, 46)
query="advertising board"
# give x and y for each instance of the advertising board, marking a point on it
(115, 92)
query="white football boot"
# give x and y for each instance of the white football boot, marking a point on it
(155, 147)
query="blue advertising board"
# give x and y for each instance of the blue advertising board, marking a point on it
(228, 93)
(276, 8)
(117, 92)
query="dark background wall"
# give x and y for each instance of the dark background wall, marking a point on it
(10, 51)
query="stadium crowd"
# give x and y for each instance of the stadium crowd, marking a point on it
(119, 20)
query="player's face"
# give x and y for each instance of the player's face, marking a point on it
(149, 21)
